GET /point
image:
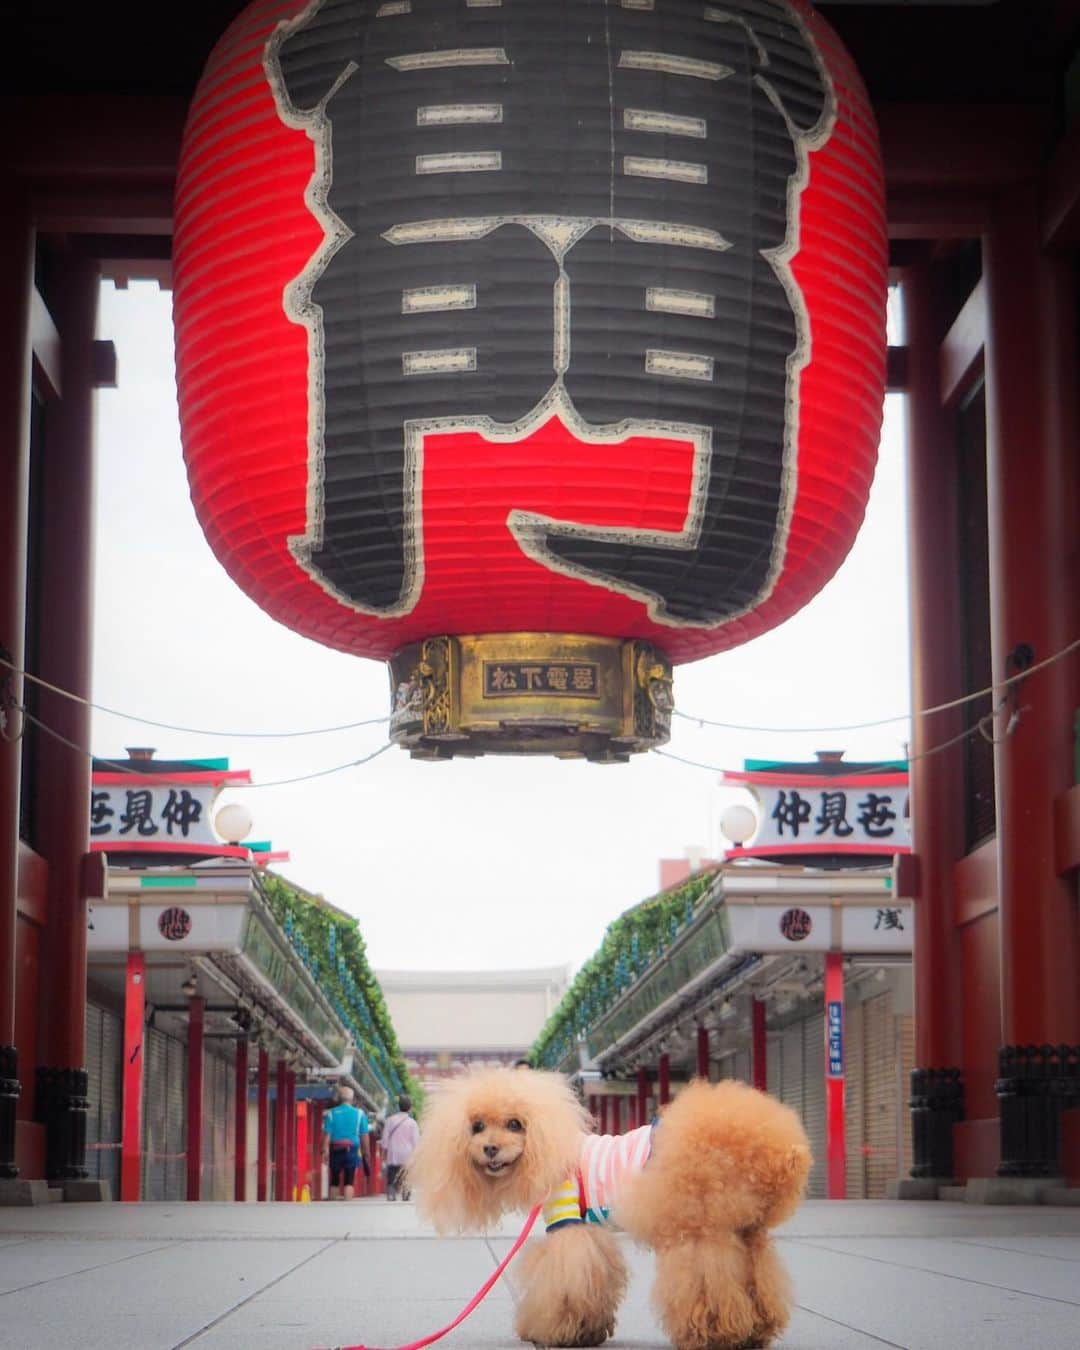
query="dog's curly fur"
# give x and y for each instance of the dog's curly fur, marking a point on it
(728, 1163)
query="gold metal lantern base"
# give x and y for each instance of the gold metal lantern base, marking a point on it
(562, 694)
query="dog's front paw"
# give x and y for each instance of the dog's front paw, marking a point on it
(562, 1328)
(573, 1283)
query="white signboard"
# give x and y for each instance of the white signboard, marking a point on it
(208, 928)
(153, 813)
(776, 928)
(889, 927)
(884, 927)
(815, 815)
(168, 926)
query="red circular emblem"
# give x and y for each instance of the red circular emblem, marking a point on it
(795, 924)
(174, 923)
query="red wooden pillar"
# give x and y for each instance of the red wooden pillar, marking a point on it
(937, 676)
(375, 1186)
(303, 1151)
(290, 1135)
(196, 1017)
(16, 290)
(836, 1160)
(1032, 489)
(241, 1114)
(134, 1030)
(64, 584)
(1031, 492)
(703, 1053)
(316, 1151)
(759, 1046)
(643, 1096)
(616, 1122)
(315, 1147)
(664, 1079)
(280, 1129)
(604, 1111)
(263, 1125)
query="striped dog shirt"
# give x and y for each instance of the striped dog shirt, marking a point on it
(603, 1164)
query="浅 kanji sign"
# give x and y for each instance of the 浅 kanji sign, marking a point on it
(811, 813)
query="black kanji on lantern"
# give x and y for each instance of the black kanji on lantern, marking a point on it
(540, 208)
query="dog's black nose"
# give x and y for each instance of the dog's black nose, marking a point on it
(490, 1150)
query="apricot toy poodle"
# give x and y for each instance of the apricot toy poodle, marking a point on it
(702, 1188)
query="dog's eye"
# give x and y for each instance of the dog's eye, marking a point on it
(514, 1125)
(478, 1127)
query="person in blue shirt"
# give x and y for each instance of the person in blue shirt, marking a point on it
(345, 1143)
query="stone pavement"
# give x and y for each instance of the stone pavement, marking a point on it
(922, 1276)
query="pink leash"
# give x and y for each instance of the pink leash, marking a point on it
(473, 1303)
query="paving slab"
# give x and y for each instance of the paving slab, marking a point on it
(925, 1310)
(917, 1276)
(155, 1300)
(1018, 1270)
(40, 1260)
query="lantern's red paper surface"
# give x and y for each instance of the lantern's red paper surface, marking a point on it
(558, 316)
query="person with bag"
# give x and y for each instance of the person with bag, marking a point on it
(345, 1143)
(399, 1138)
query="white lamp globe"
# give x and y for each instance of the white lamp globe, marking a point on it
(738, 823)
(233, 822)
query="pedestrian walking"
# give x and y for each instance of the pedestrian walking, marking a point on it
(399, 1138)
(345, 1143)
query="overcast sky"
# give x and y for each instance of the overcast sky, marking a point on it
(484, 864)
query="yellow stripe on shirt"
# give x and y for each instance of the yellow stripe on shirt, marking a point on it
(562, 1205)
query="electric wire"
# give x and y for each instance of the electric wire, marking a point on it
(973, 730)
(900, 717)
(189, 731)
(677, 712)
(8, 704)
(238, 787)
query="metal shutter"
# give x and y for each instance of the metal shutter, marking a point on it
(155, 1089)
(111, 1099)
(176, 1121)
(94, 1158)
(164, 1117)
(813, 1099)
(906, 1038)
(774, 1060)
(791, 1067)
(217, 1141)
(207, 1163)
(881, 1096)
(854, 1100)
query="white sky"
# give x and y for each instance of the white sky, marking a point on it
(482, 864)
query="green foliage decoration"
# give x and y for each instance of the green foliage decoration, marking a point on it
(631, 944)
(333, 950)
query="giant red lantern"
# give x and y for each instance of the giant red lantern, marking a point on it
(533, 345)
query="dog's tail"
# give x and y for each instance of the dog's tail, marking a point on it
(725, 1159)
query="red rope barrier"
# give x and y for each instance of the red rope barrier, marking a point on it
(473, 1303)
